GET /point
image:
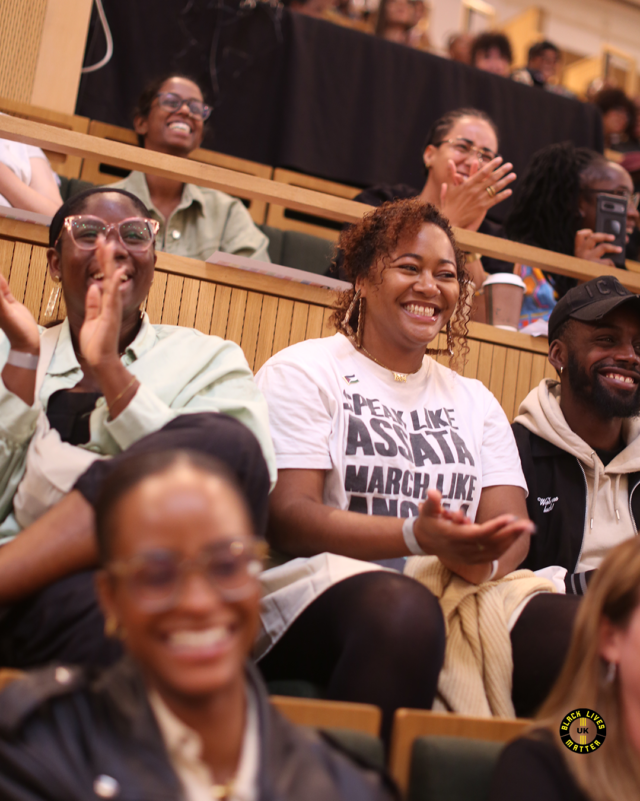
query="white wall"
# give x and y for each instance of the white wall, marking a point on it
(580, 26)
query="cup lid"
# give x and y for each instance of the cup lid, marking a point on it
(505, 278)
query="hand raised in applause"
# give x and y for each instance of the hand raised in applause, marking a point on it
(454, 538)
(465, 201)
(17, 322)
(100, 333)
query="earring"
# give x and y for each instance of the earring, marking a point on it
(612, 669)
(352, 336)
(561, 370)
(441, 351)
(111, 627)
(53, 299)
(360, 331)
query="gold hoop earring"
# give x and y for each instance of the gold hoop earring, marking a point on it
(53, 299)
(442, 351)
(111, 627)
(354, 337)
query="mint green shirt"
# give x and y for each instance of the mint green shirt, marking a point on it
(180, 370)
(204, 221)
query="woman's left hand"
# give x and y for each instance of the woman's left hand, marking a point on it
(100, 332)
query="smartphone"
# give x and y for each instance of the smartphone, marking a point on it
(611, 218)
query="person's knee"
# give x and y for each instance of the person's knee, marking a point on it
(402, 611)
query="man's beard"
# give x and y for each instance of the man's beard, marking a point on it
(604, 401)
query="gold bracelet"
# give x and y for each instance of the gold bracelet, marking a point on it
(471, 257)
(117, 397)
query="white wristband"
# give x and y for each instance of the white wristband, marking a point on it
(410, 538)
(18, 358)
(494, 570)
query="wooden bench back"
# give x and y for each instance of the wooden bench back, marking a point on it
(63, 164)
(97, 171)
(263, 314)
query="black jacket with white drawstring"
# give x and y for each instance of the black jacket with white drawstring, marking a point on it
(581, 507)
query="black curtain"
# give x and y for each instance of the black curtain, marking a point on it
(297, 92)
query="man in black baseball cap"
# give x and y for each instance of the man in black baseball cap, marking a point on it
(579, 436)
(589, 302)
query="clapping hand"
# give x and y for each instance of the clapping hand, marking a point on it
(465, 201)
(455, 539)
(17, 322)
(100, 332)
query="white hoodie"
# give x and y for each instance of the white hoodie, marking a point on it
(608, 520)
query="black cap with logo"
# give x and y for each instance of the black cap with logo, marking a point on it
(589, 302)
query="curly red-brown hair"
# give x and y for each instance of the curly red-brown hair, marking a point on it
(371, 241)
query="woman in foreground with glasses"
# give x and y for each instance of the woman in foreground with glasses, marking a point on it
(184, 716)
(601, 676)
(465, 178)
(75, 396)
(194, 221)
(555, 208)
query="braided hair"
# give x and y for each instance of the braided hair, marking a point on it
(546, 205)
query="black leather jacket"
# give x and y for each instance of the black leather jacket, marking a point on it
(62, 732)
(558, 476)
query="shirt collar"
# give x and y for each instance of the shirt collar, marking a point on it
(184, 745)
(137, 185)
(64, 358)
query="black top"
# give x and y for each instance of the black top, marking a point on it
(532, 769)
(68, 413)
(377, 195)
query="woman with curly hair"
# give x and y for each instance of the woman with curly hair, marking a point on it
(383, 452)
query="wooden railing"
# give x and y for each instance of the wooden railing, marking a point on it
(301, 199)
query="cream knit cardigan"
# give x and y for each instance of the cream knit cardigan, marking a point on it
(476, 678)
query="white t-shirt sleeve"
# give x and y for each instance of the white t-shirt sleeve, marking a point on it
(299, 416)
(500, 457)
(35, 153)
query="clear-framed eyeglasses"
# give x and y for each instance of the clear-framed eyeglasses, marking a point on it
(137, 234)
(466, 148)
(155, 579)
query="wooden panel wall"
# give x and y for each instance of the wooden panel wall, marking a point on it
(21, 24)
(262, 322)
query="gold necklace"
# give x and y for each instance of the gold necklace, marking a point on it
(401, 378)
(220, 792)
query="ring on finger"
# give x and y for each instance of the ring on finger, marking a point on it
(491, 191)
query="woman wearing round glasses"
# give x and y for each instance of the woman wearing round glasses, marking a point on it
(184, 716)
(194, 221)
(465, 178)
(102, 382)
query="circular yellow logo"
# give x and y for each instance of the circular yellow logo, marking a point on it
(583, 731)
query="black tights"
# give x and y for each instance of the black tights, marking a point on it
(379, 638)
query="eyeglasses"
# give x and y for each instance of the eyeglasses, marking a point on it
(137, 234)
(466, 148)
(156, 579)
(633, 199)
(173, 102)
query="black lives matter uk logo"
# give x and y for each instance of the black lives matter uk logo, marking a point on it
(583, 731)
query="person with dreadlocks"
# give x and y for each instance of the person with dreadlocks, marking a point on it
(555, 208)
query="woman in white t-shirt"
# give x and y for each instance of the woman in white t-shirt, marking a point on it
(381, 453)
(26, 179)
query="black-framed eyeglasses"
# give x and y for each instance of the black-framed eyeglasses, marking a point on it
(632, 198)
(173, 102)
(466, 148)
(155, 579)
(137, 234)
